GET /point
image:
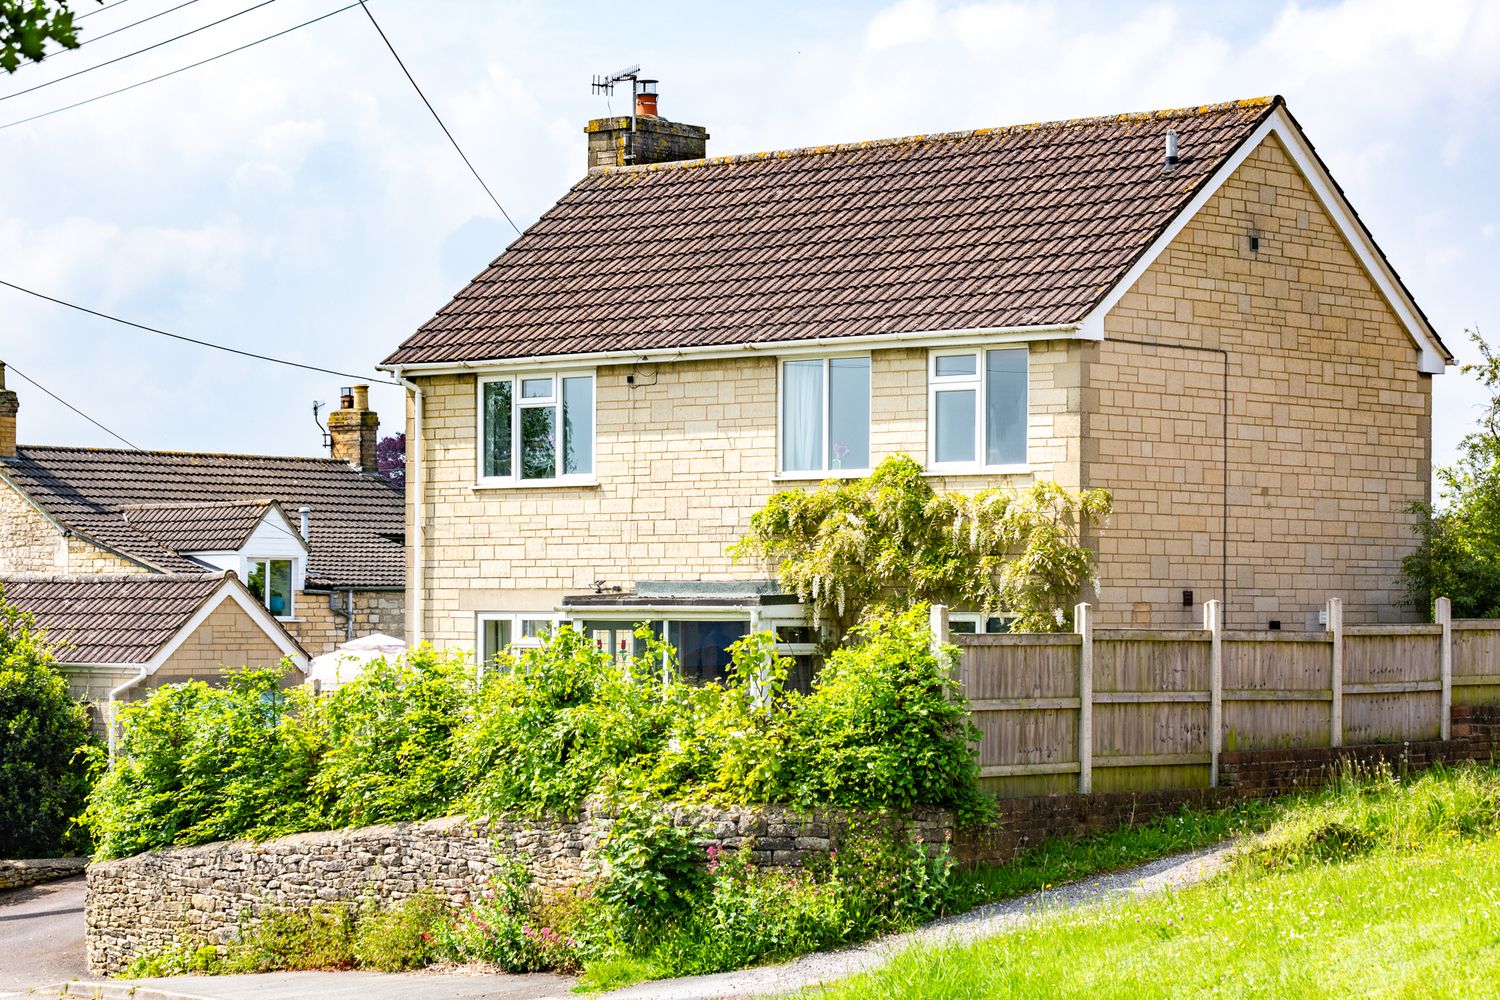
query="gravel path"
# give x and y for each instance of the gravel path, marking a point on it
(986, 921)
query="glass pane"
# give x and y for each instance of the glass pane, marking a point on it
(578, 424)
(994, 625)
(497, 428)
(849, 413)
(496, 638)
(955, 426)
(279, 588)
(256, 580)
(538, 442)
(802, 416)
(956, 364)
(1005, 407)
(536, 628)
(959, 626)
(702, 647)
(536, 388)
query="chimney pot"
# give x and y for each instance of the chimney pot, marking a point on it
(645, 98)
(362, 397)
(346, 398)
(304, 515)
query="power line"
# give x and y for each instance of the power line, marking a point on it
(132, 24)
(148, 48)
(365, 7)
(101, 10)
(193, 340)
(180, 69)
(69, 405)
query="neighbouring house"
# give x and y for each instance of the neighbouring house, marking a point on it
(318, 542)
(117, 637)
(1180, 306)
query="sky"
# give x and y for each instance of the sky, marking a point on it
(297, 200)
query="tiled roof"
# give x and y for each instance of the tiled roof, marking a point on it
(357, 522)
(1022, 226)
(198, 527)
(110, 619)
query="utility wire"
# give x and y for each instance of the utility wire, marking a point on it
(193, 340)
(101, 10)
(180, 69)
(125, 27)
(128, 55)
(17, 371)
(365, 7)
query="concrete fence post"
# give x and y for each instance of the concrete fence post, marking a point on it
(937, 621)
(1336, 629)
(1083, 624)
(1443, 613)
(1213, 622)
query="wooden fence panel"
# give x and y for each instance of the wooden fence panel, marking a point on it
(1023, 696)
(1277, 690)
(1392, 683)
(1476, 662)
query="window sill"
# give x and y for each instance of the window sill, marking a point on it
(535, 484)
(977, 470)
(818, 477)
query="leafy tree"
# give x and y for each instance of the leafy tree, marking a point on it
(890, 541)
(45, 746)
(26, 26)
(390, 459)
(1459, 553)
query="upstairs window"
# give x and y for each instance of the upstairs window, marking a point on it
(270, 580)
(825, 415)
(537, 428)
(977, 408)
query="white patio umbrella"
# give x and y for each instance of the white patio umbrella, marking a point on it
(347, 661)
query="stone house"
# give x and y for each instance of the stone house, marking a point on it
(1180, 306)
(118, 637)
(317, 541)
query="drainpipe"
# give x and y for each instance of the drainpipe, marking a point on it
(415, 478)
(346, 612)
(113, 694)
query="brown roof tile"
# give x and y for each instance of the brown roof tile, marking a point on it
(123, 499)
(1020, 226)
(109, 619)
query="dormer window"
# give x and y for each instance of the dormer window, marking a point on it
(270, 580)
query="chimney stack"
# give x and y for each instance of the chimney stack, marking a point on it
(10, 403)
(643, 137)
(354, 428)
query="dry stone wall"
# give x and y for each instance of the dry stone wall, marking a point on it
(20, 874)
(208, 893)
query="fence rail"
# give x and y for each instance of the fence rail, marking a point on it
(1139, 709)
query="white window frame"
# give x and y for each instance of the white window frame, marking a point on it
(515, 620)
(247, 564)
(515, 480)
(978, 621)
(977, 382)
(782, 472)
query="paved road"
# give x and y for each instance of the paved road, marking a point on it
(41, 935)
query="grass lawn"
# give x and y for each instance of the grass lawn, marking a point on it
(1373, 889)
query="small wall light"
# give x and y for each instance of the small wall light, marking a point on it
(1187, 598)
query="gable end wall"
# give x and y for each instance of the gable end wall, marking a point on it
(1329, 420)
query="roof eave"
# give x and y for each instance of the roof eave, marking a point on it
(707, 352)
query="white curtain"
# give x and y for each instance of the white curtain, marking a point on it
(802, 416)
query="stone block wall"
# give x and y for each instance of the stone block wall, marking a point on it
(320, 629)
(154, 900)
(21, 874)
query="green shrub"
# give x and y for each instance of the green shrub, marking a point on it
(314, 937)
(390, 739)
(885, 727)
(500, 928)
(654, 871)
(403, 937)
(46, 748)
(197, 763)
